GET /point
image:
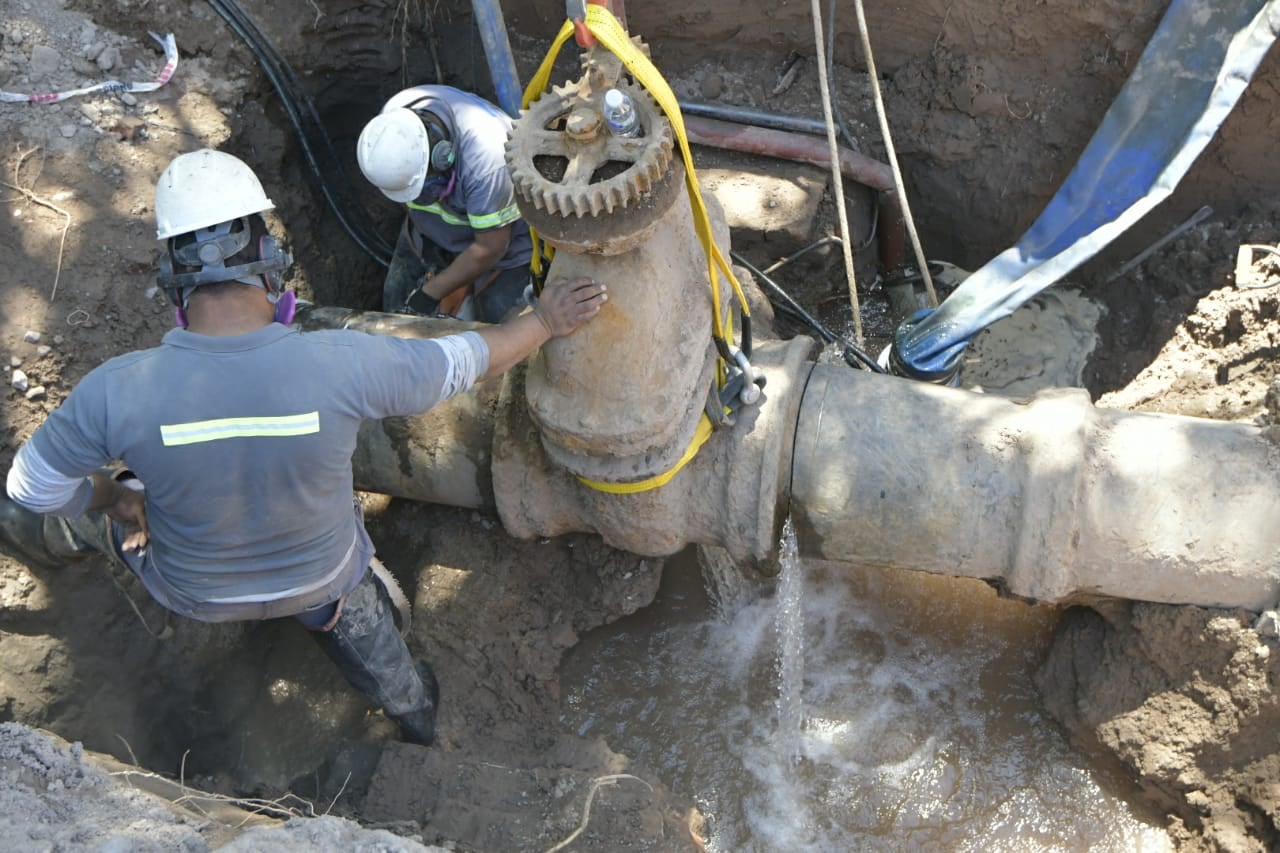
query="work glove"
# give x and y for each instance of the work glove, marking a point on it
(422, 303)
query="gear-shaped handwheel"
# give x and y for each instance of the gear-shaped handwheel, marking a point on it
(569, 171)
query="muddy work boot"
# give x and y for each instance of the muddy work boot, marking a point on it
(40, 541)
(367, 647)
(420, 726)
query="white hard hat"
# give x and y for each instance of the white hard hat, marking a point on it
(393, 153)
(204, 188)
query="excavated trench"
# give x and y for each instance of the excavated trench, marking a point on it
(958, 747)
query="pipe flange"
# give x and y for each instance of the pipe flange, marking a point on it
(584, 189)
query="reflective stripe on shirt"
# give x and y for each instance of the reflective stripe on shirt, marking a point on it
(507, 215)
(436, 208)
(197, 432)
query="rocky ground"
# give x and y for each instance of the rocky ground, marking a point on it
(1181, 699)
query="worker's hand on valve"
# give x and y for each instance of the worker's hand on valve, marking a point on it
(567, 303)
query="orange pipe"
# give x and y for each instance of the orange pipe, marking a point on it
(803, 148)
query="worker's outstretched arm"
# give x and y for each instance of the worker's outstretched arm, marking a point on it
(565, 304)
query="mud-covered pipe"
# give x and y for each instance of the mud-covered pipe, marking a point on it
(497, 52)
(810, 149)
(1050, 499)
(443, 456)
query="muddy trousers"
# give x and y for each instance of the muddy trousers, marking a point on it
(367, 648)
(364, 642)
(415, 256)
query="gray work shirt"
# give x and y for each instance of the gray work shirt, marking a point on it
(244, 444)
(482, 196)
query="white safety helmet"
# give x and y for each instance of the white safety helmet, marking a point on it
(393, 152)
(204, 188)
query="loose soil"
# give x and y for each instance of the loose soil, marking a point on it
(990, 102)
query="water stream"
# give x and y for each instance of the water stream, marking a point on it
(833, 709)
(789, 623)
(849, 711)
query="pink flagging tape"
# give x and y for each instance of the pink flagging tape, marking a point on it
(171, 65)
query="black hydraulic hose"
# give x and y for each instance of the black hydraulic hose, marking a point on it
(800, 253)
(760, 118)
(853, 356)
(291, 93)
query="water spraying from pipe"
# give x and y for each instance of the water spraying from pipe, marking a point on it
(790, 627)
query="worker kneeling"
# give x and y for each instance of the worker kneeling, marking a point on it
(236, 433)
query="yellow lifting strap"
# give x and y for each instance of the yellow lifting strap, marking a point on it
(610, 33)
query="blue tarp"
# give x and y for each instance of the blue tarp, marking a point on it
(1188, 79)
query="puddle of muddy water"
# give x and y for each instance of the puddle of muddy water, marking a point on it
(919, 723)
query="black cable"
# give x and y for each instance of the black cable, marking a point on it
(291, 94)
(800, 253)
(853, 355)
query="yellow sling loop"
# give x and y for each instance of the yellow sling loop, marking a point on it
(609, 32)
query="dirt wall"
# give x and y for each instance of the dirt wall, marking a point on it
(989, 101)
(1183, 698)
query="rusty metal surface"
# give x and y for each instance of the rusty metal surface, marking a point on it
(581, 186)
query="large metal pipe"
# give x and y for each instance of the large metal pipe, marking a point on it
(1050, 499)
(810, 149)
(484, 450)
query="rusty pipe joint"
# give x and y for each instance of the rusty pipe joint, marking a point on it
(731, 494)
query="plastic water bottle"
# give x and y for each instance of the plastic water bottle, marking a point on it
(620, 114)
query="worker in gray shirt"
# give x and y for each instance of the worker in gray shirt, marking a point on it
(236, 435)
(441, 152)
